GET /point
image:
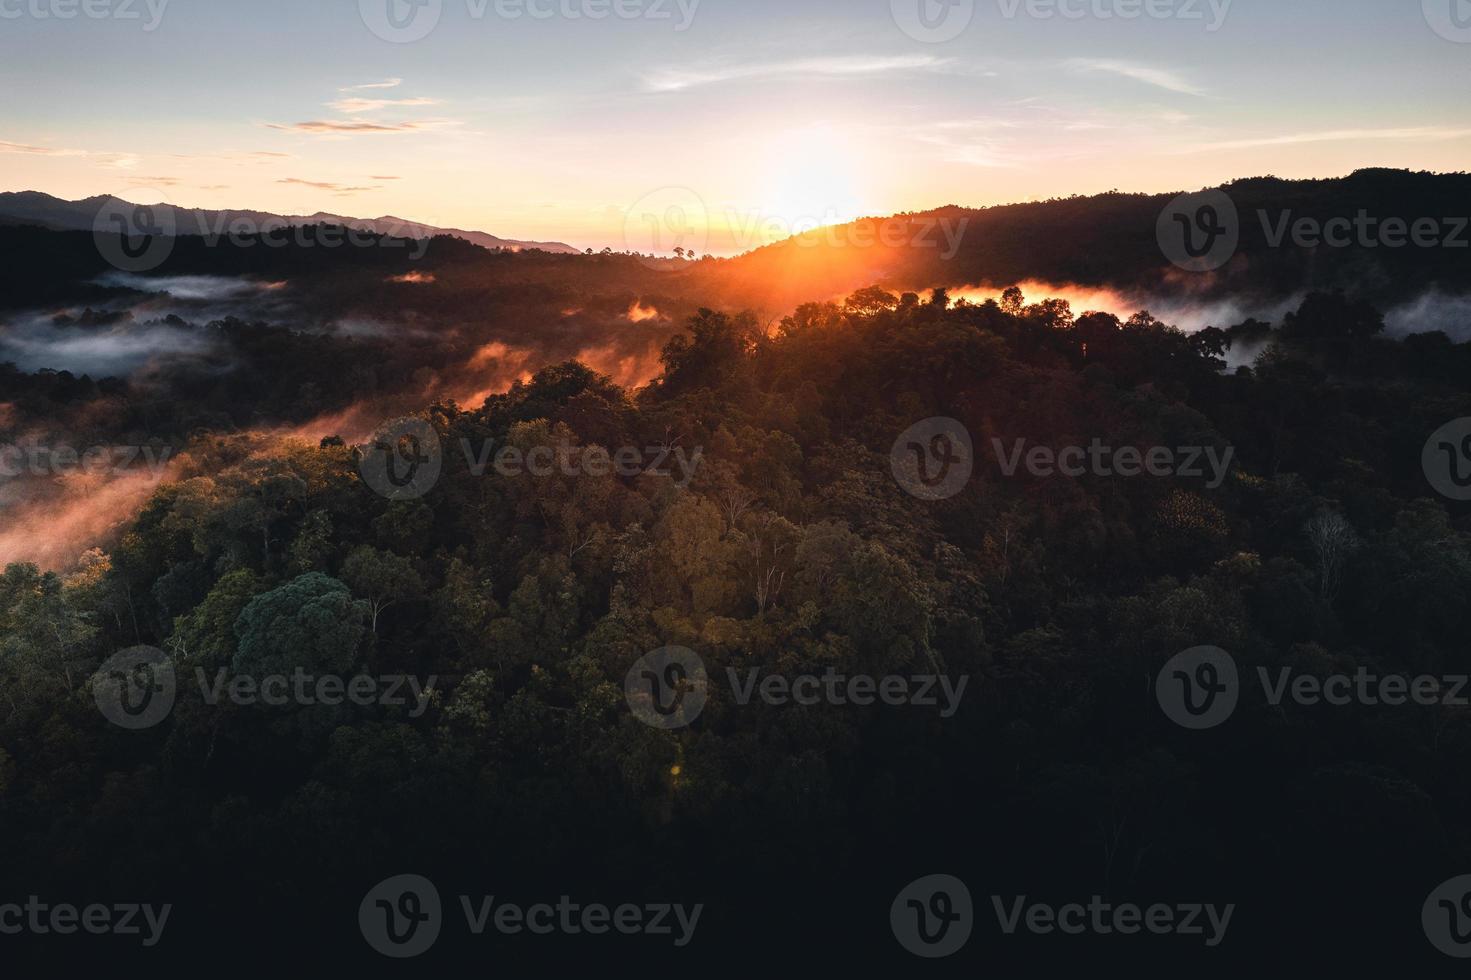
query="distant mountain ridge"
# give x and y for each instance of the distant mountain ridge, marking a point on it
(46, 211)
(1113, 240)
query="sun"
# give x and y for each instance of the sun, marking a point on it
(813, 178)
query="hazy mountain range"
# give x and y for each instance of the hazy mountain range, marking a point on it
(35, 208)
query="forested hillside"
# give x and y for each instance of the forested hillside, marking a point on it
(765, 529)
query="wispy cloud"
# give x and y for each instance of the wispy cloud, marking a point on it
(326, 185)
(355, 105)
(120, 161)
(679, 79)
(387, 83)
(1148, 75)
(349, 127)
(48, 151)
(1412, 134)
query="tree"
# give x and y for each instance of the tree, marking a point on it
(382, 578)
(871, 300)
(1332, 539)
(311, 622)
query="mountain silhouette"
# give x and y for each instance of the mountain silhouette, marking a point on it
(46, 211)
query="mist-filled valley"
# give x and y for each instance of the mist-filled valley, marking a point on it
(319, 336)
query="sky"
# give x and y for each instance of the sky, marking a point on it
(719, 123)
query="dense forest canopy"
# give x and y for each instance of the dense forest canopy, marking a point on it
(517, 602)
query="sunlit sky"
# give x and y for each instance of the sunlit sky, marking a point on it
(764, 113)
